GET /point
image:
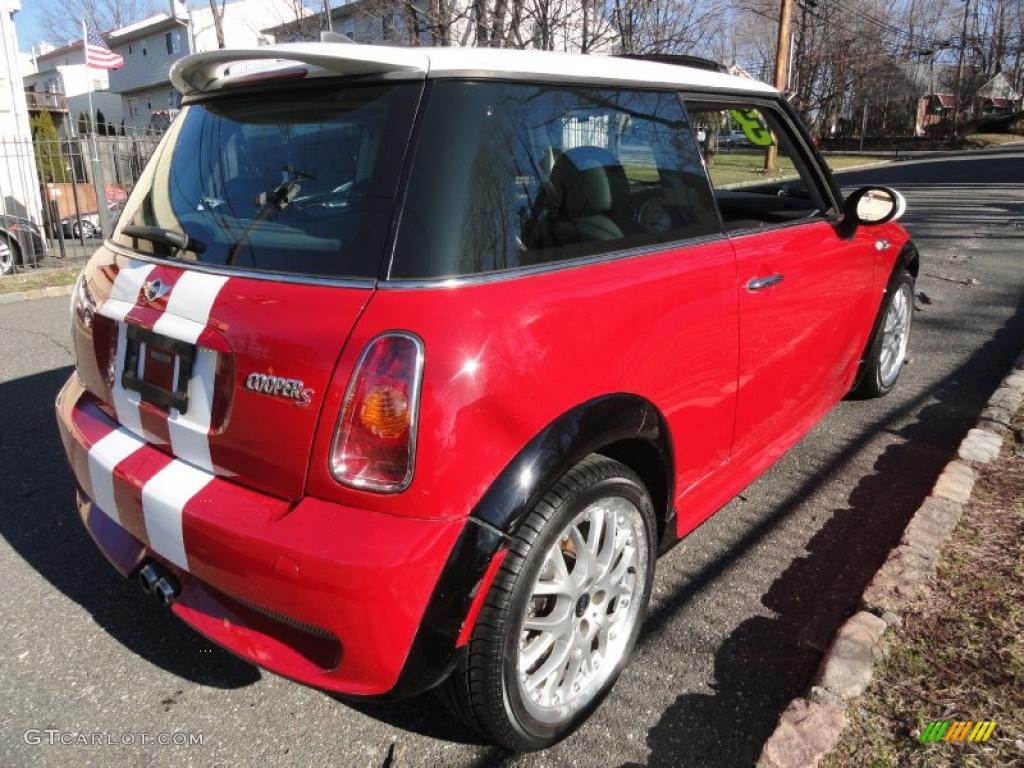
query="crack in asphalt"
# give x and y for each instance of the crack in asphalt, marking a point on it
(60, 345)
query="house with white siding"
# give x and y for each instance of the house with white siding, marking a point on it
(406, 22)
(19, 189)
(152, 45)
(59, 82)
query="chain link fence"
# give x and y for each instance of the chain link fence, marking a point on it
(61, 196)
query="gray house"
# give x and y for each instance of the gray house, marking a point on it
(151, 46)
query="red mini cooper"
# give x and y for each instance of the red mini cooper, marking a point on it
(402, 366)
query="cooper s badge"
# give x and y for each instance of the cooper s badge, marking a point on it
(289, 389)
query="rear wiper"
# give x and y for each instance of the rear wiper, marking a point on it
(277, 199)
(177, 240)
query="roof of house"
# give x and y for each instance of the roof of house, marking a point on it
(316, 19)
(70, 47)
(213, 70)
(141, 28)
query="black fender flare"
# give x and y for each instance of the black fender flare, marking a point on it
(577, 433)
(908, 260)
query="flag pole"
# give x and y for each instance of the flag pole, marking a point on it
(97, 167)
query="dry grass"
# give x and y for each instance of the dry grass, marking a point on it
(992, 139)
(744, 166)
(960, 654)
(43, 278)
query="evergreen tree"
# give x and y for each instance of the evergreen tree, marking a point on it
(102, 129)
(46, 141)
(84, 126)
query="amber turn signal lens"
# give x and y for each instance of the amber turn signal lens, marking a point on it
(385, 412)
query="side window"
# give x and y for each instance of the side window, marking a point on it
(510, 175)
(760, 176)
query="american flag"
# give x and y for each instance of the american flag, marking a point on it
(97, 54)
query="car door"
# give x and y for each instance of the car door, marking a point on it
(803, 291)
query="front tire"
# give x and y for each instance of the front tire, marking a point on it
(563, 614)
(86, 231)
(10, 255)
(887, 351)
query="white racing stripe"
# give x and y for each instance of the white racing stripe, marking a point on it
(105, 454)
(165, 495)
(126, 402)
(125, 293)
(188, 311)
(123, 297)
(163, 499)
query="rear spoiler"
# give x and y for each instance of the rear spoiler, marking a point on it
(214, 70)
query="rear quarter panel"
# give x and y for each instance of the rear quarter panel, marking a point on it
(504, 358)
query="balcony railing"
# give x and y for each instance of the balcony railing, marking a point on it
(43, 100)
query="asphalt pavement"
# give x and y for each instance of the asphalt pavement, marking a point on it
(742, 610)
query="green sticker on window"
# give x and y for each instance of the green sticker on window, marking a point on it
(755, 130)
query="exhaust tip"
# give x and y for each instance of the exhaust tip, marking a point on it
(167, 589)
(149, 576)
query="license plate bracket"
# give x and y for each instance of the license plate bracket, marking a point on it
(167, 389)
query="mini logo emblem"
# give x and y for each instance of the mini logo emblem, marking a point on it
(289, 389)
(155, 289)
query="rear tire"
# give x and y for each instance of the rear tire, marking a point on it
(886, 354)
(557, 628)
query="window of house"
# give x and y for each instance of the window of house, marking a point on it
(388, 22)
(760, 175)
(348, 29)
(513, 175)
(129, 47)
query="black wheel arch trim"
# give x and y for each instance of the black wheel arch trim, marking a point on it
(585, 429)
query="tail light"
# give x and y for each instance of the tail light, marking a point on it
(375, 443)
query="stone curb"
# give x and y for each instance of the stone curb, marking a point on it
(36, 293)
(810, 726)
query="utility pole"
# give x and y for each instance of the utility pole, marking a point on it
(782, 46)
(960, 71)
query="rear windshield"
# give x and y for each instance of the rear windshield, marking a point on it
(303, 183)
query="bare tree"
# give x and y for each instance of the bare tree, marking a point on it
(218, 20)
(62, 19)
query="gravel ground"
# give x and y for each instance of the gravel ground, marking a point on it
(742, 608)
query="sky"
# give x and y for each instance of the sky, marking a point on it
(29, 24)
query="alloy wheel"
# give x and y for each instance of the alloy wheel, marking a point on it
(895, 335)
(6, 257)
(584, 605)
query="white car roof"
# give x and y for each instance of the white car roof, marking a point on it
(213, 70)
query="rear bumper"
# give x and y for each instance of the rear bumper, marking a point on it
(329, 595)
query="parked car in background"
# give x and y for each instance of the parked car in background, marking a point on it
(730, 139)
(89, 223)
(403, 365)
(21, 243)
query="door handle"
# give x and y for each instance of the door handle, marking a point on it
(757, 283)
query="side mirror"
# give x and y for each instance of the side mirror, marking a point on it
(871, 206)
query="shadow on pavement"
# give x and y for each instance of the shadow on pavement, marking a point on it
(41, 524)
(767, 661)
